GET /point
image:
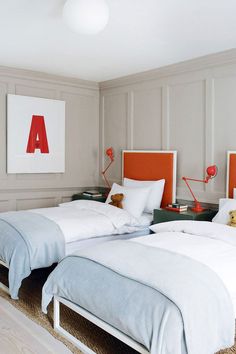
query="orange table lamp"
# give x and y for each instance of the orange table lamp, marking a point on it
(211, 172)
(110, 154)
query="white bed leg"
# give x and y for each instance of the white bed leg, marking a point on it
(56, 313)
(2, 286)
(63, 332)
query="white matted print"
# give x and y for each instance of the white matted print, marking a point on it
(35, 135)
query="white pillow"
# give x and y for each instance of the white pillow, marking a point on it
(155, 194)
(222, 217)
(134, 198)
(223, 201)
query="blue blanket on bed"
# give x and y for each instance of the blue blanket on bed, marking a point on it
(28, 241)
(165, 301)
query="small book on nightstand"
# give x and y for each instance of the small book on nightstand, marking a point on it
(177, 207)
(92, 193)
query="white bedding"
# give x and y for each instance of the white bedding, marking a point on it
(85, 219)
(75, 246)
(209, 243)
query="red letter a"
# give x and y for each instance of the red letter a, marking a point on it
(37, 136)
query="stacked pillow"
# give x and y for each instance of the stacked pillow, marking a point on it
(156, 189)
(225, 206)
(139, 196)
(134, 198)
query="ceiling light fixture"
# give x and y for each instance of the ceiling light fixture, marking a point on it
(86, 16)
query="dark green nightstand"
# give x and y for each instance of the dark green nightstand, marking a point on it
(162, 215)
(86, 197)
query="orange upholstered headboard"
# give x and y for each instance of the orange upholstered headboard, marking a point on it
(150, 166)
(231, 174)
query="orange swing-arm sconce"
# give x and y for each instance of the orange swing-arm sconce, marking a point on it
(110, 154)
(211, 173)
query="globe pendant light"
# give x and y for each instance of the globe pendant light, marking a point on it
(86, 16)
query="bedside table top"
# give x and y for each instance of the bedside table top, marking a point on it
(190, 212)
(163, 215)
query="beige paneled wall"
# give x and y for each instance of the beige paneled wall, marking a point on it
(147, 109)
(189, 107)
(114, 119)
(23, 191)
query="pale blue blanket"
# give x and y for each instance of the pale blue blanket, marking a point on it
(28, 241)
(168, 302)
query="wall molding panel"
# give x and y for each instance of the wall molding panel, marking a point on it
(189, 107)
(19, 199)
(130, 121)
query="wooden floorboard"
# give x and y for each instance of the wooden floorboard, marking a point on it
(18, 334)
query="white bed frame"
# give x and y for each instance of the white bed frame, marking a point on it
(87, 315)
(2, 286)
(105, 326)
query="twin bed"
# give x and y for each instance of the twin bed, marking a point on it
(41, 237)
(172, 291)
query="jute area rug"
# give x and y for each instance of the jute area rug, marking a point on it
(98, 340)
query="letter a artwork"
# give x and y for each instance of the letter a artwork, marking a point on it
(37, 136)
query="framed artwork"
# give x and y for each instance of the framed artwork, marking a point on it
(35, 135)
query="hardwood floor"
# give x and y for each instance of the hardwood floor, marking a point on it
(20, 335)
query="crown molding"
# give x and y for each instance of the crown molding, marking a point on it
(204, 62)
(6, 71)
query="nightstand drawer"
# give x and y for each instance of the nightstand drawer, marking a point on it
(86, 197)
(162, 215)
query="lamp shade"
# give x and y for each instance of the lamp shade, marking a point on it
(86, 16)
(211, 171)
(110, 153)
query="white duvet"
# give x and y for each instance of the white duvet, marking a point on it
(209, 243)
(83, 219)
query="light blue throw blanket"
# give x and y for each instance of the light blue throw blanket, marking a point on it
(28, 241)
(165, 301)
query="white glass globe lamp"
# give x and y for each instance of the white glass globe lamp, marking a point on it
(86, 16)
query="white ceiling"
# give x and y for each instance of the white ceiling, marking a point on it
(141, 35)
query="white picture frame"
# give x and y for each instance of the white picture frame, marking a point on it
(35, 135)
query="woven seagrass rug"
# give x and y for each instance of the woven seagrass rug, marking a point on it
(98, 340)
